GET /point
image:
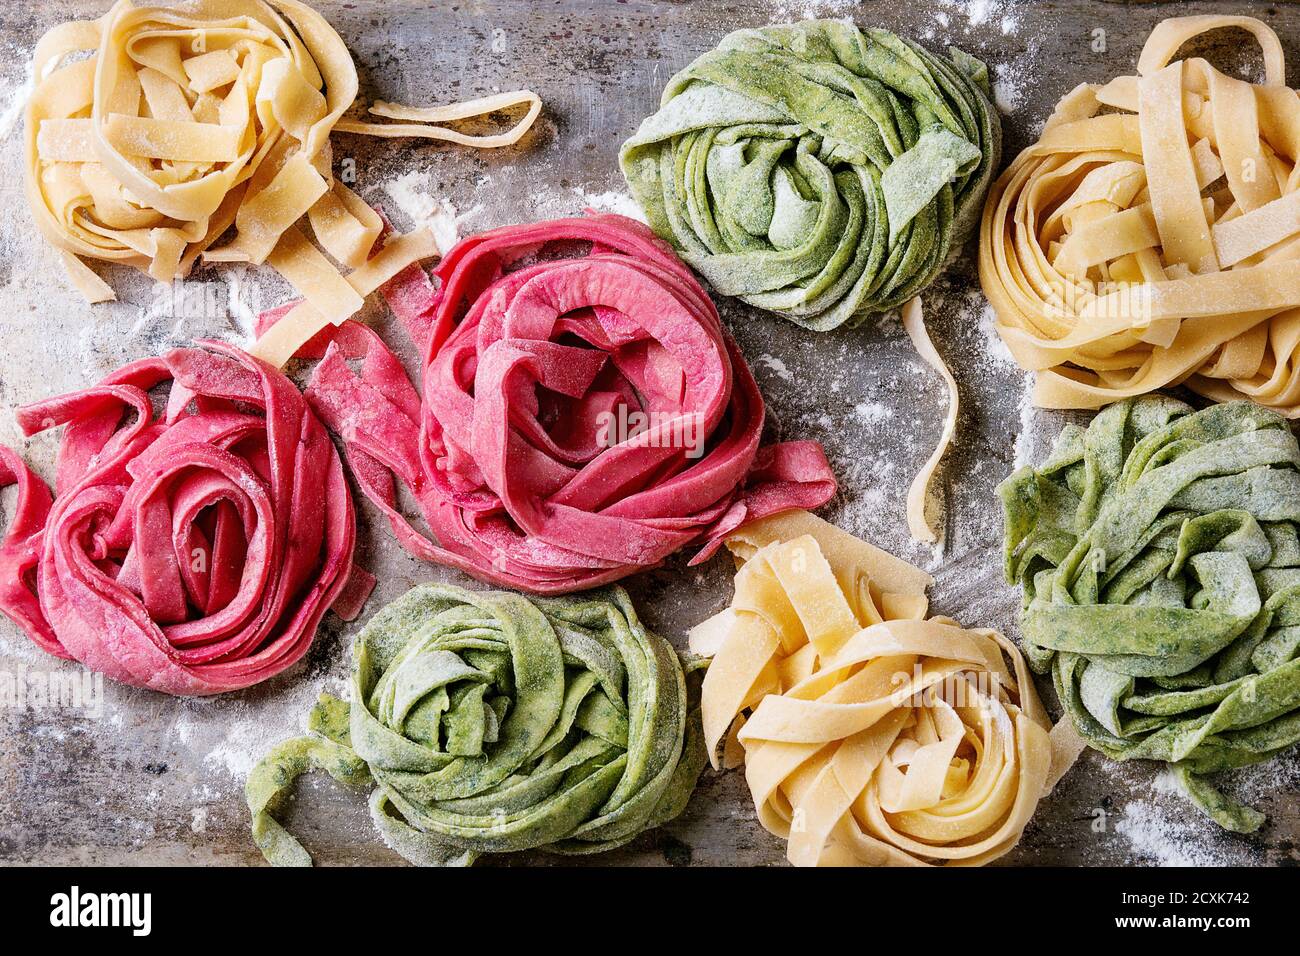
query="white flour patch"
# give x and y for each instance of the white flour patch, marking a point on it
(813, 9)
(777, 366)
(1024, 435)
(199, 820)
(13, 101)
(238, 292)
(1171, 832)
(184, 729)
(994, 347)
(438, 215)
(979, 13)
(612, 201)
(873, 412)
(245, 744)
(1008, 87)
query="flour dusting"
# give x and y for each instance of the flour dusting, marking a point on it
(813, 9)
(777, 366)
(438, 215)
(873, 412)
(1171, 832)
(244, 745)
(1008, 88)
(612, 201)
(13, 101)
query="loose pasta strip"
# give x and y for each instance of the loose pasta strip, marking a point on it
(189, 124)
(917, 522)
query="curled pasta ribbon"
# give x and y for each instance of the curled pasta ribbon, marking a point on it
(869, 735)
(816, 170)
(192, 552)
(1150, 237)
(918, 494)
(489, 722)
(185, 123)
(1160, 559)
(418, 118)
(583, 413)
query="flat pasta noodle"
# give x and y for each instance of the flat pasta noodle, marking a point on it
(1159, 555)
(917, 495)
(1150, 237)
(816, 170)
(422, 117)
(870, 736)
(490, 722)
(186, 123)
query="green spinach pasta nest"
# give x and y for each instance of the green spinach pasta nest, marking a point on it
(1160, 562)
(490, 722)
(817, 170)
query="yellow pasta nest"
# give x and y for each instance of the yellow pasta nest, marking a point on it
(869, 735)
(185, 122)
(1150, 237)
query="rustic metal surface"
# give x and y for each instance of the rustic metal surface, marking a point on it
(150, 779)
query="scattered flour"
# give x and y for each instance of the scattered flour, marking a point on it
(994, 347)
(237, 285)
(199, 819)
(1008, 87)
(1171, 833)
(245, 743)
(872, 412)
(612, 201)
(1024, 435)
(789, 10)
(777, 366)
(184, 728)
(439, 215)
(13, 101)
(978, 13)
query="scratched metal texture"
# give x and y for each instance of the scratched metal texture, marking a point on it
(151, 779)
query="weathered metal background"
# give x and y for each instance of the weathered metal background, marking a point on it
(150, 779)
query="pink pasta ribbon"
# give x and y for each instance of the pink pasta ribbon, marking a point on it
(193, 551)
(530, 364)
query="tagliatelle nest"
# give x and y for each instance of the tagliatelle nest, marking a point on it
(1150, 237)
(870, 736)
(186, 122)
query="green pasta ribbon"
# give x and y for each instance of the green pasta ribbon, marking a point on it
(817, 170)
(491, 722)
(1160, 562)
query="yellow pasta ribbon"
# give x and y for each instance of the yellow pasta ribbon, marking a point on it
(187, 124)
(1150, 237)
(870, 736)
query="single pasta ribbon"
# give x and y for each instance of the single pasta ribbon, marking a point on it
(583, 413)
(1160, 562)
(918, 523)
(1149, 238)
(817, 170)
(193, 551)
(188, 122)
(490, 722)
(870, 736)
